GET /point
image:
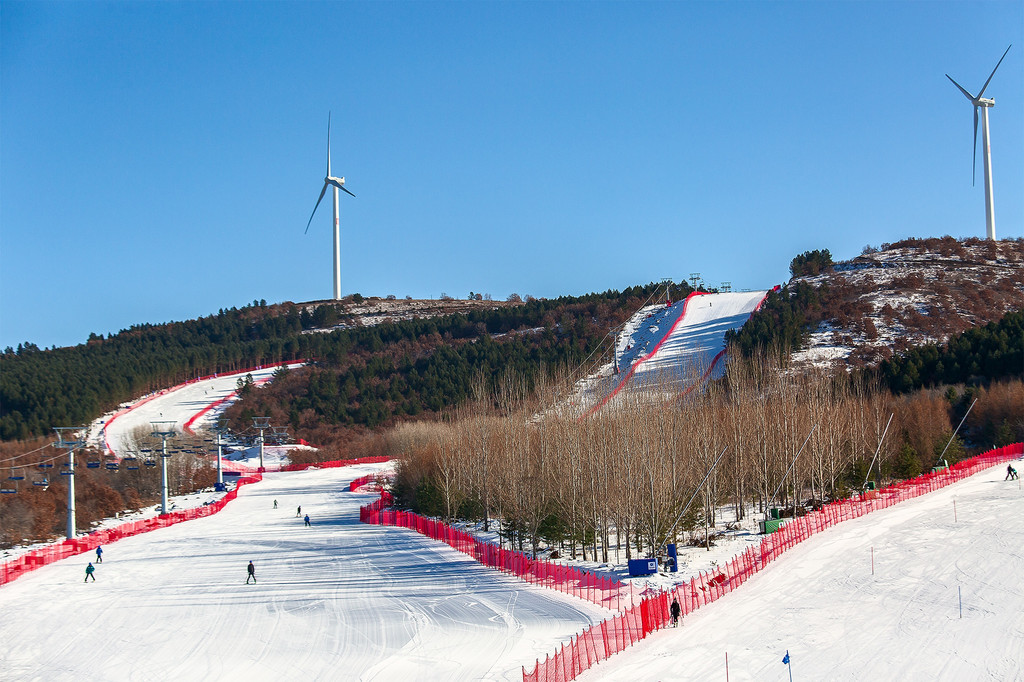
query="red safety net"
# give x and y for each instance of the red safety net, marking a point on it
(606, 591)
(624, 629)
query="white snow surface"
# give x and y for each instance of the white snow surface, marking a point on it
(656, 350)
(821, 602)
(337, 600)
(177, 405)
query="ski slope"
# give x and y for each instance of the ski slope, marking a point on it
(821, 602)
(179, 405)
(337, 600)
(675, 347)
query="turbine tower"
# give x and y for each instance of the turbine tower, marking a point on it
(984, 104)
(336, 183)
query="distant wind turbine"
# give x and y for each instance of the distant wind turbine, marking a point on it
(336, 183)
(982, 103)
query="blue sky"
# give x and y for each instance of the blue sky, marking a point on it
(159, 161)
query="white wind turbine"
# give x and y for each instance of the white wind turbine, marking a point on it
(336, 183)
(983, 103)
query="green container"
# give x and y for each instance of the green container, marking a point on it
(870, 485)
(775, 513)
(772, 525)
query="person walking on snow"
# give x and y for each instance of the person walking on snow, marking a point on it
(252, 574)
(1011, 473)
(298, 512)
(99, 554)
(307, 519)
(275, 504)
(89, 570)
(674, 610)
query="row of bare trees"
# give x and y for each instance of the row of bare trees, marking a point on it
(622, 478)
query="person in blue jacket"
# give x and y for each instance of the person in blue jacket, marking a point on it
(307, 519)
(99, 554)
(89, 570)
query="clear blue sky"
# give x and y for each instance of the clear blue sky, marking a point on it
(159, 160)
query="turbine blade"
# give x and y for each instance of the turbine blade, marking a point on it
(345, 190)
(993, 72)
(960, 88)
(974, 160)
(322, 193)
(328, 144)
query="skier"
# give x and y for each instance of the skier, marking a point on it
(89, 573)
(298, 512)
(1011, 473)
(99, 554)
(674, 610)
(275, 504)
(252, 574)
(307, 519)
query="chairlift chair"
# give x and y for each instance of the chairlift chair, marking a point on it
(45, 465)
(65, 470)
(150, 462)
(131, 462)
(8, 491)
(16, 474)
(92, 463)
(42, 482)
(113, 466)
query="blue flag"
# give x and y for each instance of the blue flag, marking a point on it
(786, 657)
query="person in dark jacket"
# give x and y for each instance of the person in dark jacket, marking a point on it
(307, 519)
(674, 610)
(298, 512)
(252, 574)
(1011, 473)
(89, 570)
(99, 554)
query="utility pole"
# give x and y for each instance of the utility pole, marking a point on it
(70, 438)
(163, 430)
(262, 424)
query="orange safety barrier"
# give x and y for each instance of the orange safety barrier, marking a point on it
(624, 629)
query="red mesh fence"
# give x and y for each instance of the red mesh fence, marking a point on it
(606, 591)
(652, 613)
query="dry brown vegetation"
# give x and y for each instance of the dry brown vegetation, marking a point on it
(621, 478)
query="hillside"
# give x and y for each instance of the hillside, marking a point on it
(886, 301)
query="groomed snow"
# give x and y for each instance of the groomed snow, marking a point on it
(337, 600)
(839, 622)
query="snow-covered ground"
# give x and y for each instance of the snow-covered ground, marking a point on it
(337, 600)
(178, 405)
(671, 348)
(821, 602)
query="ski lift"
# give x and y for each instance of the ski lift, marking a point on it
(42, 482)
(131, 462)
(146, 450)
(16, 475)
(92, 463)
(45, 465)
(150, 462)
(8, 491)
(65, 470)
(112, 466)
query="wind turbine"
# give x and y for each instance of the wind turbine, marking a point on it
(336, 183)
(983, 103)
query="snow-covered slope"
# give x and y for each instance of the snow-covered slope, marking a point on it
(821, 602)
(673, 347)
(337, 600)
(113, 432)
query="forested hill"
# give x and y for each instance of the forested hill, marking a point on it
(363, 375)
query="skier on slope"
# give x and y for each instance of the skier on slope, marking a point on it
(275, 504)
(1011, 473)
(89, 570)
(252, 574)
(674, 610)
(298, 512)
(99, 554)
(307, 519)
